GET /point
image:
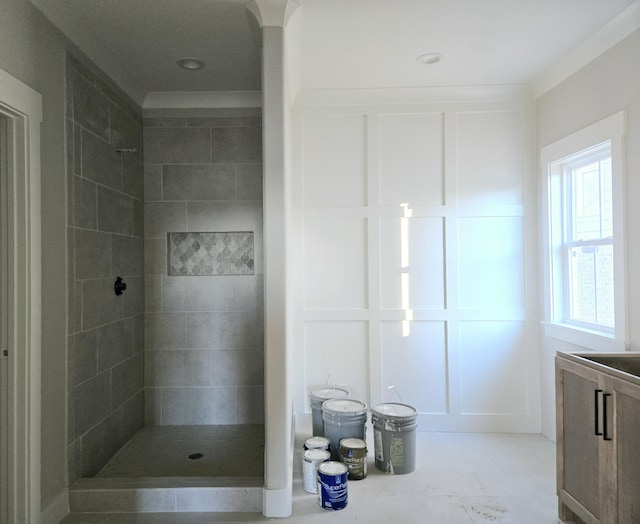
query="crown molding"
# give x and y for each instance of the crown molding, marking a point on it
(616, 30)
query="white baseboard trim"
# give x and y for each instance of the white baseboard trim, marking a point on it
(57, 510)
(277, 502)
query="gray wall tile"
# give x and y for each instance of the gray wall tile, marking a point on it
(133, 296)
(138, 218)
(198, 182)
(153, 293)
(237, 367)
(100, 305)
(98, 446)
(162, 217)
(152, 405)
(85, 356)
(177, 145)
(198, 293)
(92, 254)
(181, 406)
(85, 200)
(115, 343)
(90, 107)
(92, 400)
(126, 380)
(250, 405)
(132, 176)
(249, 182)
(127, 255)
(165, 330)
(155, 256)
(177, 368)
(115, 212)
(224, 330)
(236, 144)
(128, 419)
(100, 162)
(138, 333)
(125, 132)
(152, 182)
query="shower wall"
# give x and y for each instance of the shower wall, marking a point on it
(105, 228)
(204, 356)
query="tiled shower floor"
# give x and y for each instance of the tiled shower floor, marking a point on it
(165, 451)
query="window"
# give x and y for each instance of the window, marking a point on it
(584, 277)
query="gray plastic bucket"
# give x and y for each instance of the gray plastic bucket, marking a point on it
(343, 418)
(318, 394)
(394, 435)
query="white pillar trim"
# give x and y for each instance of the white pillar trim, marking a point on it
(272, 13)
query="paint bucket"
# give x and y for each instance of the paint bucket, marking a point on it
(311, 459)
(318, 394)
(353, 453)
(317, 443)
(332, 485)
(394, 433)
(343, 418)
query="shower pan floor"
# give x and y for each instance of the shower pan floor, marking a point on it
(190, 451)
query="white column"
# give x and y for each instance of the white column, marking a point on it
(273, 16)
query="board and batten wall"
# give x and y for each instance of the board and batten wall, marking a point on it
(414, 228)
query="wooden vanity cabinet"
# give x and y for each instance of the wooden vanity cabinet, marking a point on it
(598, 442)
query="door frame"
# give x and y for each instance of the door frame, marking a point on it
(22, 107)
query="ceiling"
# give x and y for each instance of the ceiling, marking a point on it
(344, 43)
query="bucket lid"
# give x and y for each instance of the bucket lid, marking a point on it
(354, 443)
(316, 454)
(394, 410)
(325, 392)
(344, 405)
(332, 467)
(317, 442)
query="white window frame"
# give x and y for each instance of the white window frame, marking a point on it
(610, 129)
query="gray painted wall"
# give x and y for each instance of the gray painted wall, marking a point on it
(608, 84)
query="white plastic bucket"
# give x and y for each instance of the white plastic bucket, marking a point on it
(317, 395)
(394, 434)
(311, 459)
(343, 418)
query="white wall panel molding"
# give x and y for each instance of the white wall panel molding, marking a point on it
(443, 250)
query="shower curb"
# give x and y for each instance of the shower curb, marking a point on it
(166, 495)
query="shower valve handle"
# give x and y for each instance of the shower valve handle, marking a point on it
(119, 286)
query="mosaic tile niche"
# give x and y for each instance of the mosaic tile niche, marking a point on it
(210, 253)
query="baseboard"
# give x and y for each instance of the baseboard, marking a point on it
(57, 510)
(277, 502)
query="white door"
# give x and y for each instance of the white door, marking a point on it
(4, 392)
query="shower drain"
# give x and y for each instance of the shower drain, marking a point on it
(196, 456)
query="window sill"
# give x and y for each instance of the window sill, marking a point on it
(583, 337)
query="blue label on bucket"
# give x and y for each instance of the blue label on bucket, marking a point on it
(332, 485)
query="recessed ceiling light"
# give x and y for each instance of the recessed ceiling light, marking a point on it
(429, 58)
(191, 63)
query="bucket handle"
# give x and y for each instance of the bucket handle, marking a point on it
(396, 392)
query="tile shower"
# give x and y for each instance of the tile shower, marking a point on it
(105, 239)
(183, 346)
(203, 273)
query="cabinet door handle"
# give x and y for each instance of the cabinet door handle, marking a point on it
(604, 416)
(597, 412)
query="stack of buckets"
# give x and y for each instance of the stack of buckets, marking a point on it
(338, 449)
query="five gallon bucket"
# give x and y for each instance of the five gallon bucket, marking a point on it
(394, 432)
(343, 418)
(318, 394)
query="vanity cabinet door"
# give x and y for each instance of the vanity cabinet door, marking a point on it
(627, 438)
(578, 445)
